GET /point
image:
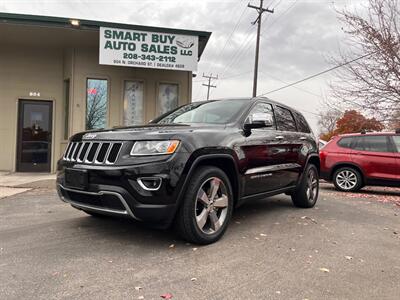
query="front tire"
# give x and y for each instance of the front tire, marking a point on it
(306, 193)
(207, 206)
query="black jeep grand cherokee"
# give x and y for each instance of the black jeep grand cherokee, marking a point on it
(193, 165)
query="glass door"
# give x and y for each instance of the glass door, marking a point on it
(34, 136)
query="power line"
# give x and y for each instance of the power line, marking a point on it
(282, 14)
(245, 45)
(230, 35)
(296, 87)
(317, 74)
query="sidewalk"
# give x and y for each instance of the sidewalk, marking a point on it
(15, 183)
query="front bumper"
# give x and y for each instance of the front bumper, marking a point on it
(114, 201)
(117, 191)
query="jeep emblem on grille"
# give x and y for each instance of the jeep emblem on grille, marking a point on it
(89, 136)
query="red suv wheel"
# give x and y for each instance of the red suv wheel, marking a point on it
(347, 179)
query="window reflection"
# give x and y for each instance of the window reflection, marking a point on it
(96, 103)
(167, 97)
(133, 102)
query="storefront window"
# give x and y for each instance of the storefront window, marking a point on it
(167, 97)
(133, 103)
(66, 109)
(96, 103)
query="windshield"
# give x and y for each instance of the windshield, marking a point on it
(213, 112)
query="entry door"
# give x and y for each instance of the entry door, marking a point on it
(264, 155)
(34, 136)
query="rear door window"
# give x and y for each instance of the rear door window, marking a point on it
(372, 143)
(302, 124)
(284, 119)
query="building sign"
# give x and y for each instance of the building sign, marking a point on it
(144, 49)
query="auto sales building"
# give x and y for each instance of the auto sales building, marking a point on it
(59, 76)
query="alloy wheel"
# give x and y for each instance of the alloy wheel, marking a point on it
(312, 185)
(346, 179)
(211, 205)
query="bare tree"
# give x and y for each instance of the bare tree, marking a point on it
(371, 84)
(327, 120)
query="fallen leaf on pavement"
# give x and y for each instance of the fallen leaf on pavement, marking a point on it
(278, 292)
(193, 279)
(166, 296)
(194, 249)
(348, 257)
(138, 288)
(140, 297)
(325, 270)
(172, 246)
(263, 234)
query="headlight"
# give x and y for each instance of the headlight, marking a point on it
(154, 147)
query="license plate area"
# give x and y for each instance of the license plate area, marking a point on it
(76, 179)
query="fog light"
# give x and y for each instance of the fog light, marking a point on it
(150, 183)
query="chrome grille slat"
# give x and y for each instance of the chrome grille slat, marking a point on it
(108, 162)
(79, 152)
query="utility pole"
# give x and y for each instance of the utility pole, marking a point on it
(209, 85)
(260, 11)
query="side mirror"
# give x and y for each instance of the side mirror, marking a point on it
(258, 120)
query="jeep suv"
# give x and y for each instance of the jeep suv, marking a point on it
(191, 167)
(352, 161)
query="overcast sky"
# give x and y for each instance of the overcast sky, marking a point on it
(296, 40)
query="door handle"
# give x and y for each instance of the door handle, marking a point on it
(279, 137)
(303, 138)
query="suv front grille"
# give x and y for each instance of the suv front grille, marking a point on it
(93, 152)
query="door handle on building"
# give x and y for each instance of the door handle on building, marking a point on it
(279, 137)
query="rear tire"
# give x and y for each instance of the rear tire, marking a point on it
(206, 208)
(347, 179)
(306, 192)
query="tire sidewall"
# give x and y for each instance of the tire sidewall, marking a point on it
(315, 170)
(355, 172)
(190, 202)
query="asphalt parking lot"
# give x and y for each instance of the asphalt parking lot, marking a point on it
(347, 247)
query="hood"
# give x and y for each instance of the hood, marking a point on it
(149, 131)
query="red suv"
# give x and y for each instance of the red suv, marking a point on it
(352, 161)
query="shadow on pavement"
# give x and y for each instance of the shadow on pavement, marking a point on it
(370, 190)
(130, 232)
